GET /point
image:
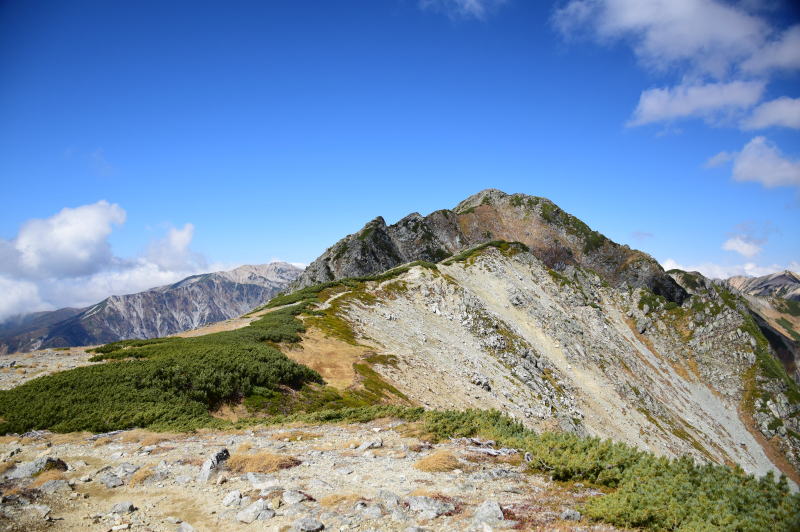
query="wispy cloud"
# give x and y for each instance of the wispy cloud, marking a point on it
(477, 9)
(722, 54)
(781, 112)
(742, 245)
(709, 101)
(760, 161)
(99, 164)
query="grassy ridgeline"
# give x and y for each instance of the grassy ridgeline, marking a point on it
(162, 383)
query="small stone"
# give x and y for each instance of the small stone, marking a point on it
(488, 512)
(428, 506)
(293, 497)
(370, 444)
(251, 513)
(55, 486)
(571, 515)
(307, 524)
(185, 527)
(111, 480)
(233, 498)
(372, 511)
(123, 526)
(42, 510)
(125, 507)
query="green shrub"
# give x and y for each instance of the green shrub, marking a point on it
(169, 382)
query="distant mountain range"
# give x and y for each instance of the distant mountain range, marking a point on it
(783, 284)
(161, 311)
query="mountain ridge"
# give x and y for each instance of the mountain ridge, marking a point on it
(159, 311)
(556, 237)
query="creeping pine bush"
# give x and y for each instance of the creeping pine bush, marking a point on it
(164, 383)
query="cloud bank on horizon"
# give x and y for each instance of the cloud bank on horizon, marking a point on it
(67, 260)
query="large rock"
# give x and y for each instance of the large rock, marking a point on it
(28, 469)
(212, 464)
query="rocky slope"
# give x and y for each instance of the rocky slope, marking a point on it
(161, 311)
(557, 238)
(351, 477)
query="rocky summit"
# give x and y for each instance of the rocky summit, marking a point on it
(495, 366)
(556, 237)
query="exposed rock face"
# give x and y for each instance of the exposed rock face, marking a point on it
(554, 236)
(162, 311)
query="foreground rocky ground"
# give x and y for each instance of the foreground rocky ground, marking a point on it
(375, 476)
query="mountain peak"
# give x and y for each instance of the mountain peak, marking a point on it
(483, 197)
(553, 235)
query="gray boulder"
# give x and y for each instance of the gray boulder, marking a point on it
(212, 463)
(429, 506)
(28, 469)
(488, 512)
(255, 511)
(124, 507)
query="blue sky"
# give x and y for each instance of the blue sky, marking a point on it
(144, 141)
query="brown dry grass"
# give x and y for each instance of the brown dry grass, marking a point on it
(69, 437)
(295, 436)
(244, 447)
(5, 466)
(510, 459)
(146, 438)
(141, 475)
(45, 476)
(338, 499)
(330, 357)
(439, 461)
(263, 462)
(99, 442)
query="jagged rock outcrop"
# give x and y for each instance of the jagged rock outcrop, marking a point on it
(554, 236)
(161, 311)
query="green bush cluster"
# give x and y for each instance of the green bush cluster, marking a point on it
(168, 382)
(507, 248)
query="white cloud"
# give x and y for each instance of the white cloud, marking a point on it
(19, 297)
(721, 53)
(723, 271)
(462, 8)
(172, 252)
(743, 245)
(784, 112)
(705, 36)
(719, 159)
(705, 100)
(761, 161)
(781, 53)
(72, 242)
(66, 260)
